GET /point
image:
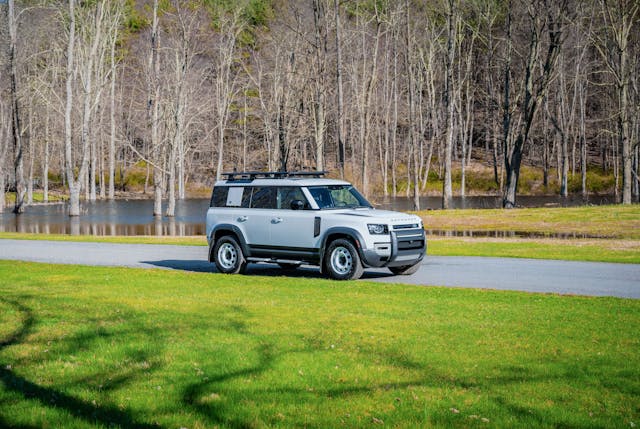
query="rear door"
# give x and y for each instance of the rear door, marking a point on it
(257, 219)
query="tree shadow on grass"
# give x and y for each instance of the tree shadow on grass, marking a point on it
(219, 399)
(52, 398)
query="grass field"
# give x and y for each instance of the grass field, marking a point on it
(108, 347)
(38, 197)
(592, 221)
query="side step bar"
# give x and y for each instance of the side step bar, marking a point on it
(275, 261)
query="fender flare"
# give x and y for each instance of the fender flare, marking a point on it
(341, 230)
(232, 230)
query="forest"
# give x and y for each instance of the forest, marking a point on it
(103, 98)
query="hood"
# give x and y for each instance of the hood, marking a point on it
(381, 215)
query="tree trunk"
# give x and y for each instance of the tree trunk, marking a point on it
(45, 163)
(534, 91)
(583, 139)
(340, 128)
(112, 120)
(3, 185)
(319, 110)
(16, 122)
(72, 183)
(154, 102)
(447, 191)
(31, 154)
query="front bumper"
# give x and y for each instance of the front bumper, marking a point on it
(408, 247)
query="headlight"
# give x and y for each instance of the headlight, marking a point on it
(378, 229)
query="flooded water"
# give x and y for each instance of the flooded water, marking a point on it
(134, 217)
(120, 217)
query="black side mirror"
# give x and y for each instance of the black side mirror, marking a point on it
(297, 205)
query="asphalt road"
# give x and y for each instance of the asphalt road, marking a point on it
(530, 275)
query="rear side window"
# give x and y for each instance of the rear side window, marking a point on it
(230, 196)
(219, 196)
(263, 198)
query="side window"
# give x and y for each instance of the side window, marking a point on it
(322, 197)
(236, 195)
(219, 196)
(246, 197)
(263, 198)
(288, 194)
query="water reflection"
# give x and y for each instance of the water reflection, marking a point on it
(134, 217)
(122, 217)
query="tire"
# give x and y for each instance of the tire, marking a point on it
(289, 267)
(342, 261)
(228, 256)
(406, 270)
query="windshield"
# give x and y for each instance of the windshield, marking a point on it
(338, 197)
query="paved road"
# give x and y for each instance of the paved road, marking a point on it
(581, 278)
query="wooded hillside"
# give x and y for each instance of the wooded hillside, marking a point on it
(389, 94)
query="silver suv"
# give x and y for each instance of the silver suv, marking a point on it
(302, 218)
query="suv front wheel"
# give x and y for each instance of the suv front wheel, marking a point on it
(229, 257)
(342, 261)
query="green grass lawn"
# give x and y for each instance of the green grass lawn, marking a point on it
(595, 221)
(114, 347)
(618, 251)
(38, 197)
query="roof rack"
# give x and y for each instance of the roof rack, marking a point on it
(251, 175)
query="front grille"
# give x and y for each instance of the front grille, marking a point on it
(409, 245)
(410, 239)
(406, 226)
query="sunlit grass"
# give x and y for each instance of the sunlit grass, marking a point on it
(105, 347)
(601, 250)
(595, 221)
(38, 197)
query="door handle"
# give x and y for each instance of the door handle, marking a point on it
(276, 220)
(242, 219)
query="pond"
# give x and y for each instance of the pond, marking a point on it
(134, 217)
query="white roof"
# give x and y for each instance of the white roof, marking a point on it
(289, 181)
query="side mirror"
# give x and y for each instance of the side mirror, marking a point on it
(297, 205)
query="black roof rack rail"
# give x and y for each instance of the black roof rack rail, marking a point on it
(251, 175)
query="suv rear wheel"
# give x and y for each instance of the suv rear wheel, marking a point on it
(342, 261)
(229, 257)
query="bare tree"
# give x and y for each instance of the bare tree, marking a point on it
(16, 119)
(226, 84)
(620, 19)
(153, 113)
(340, 128)
(543, 17)
(5, 127)
(452, 25)
(73, 181)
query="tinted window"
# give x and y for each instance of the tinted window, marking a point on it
(338, 196)
(263, 198)
(219, 196)
(246, 198)
(288, 194)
